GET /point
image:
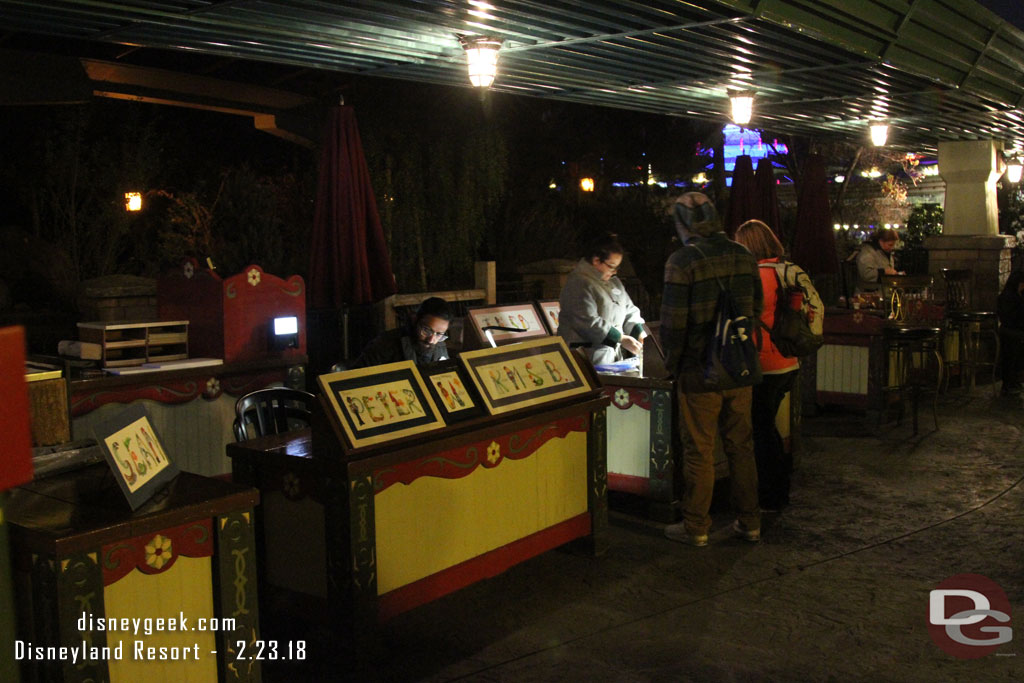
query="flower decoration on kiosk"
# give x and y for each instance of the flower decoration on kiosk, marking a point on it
(493, 453)
(290, 485)
(189, 269)
(254, 277)
(212, 390)
(158, 552)
(622, 398)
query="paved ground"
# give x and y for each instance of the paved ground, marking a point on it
(837, 590)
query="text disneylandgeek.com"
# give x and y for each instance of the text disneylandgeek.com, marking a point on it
(138, 650)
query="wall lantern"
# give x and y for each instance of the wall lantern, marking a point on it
(1014, 169)
(481, 59)
(587, 184)
(133, 201)
(879, 134)
(742, 106)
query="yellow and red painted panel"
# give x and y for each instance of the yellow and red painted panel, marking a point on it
(162, 575)
(445, 509)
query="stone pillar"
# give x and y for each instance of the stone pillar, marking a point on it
(970, 233)
(970, 169)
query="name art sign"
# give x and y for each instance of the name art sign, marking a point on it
(529, 373)
(517, 322)
(380, 403)
(133, 450)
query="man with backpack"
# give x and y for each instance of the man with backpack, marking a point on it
(710, 305)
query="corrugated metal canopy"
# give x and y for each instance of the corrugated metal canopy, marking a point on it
(934, 69)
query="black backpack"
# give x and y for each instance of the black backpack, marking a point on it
(730, 351)
(791, 333)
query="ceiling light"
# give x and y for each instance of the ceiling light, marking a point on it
(879, 134)
(133, 200)
(481, 59)
(742, 106)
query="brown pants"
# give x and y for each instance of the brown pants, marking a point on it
(705, 416)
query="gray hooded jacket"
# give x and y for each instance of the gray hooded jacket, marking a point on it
(597, 313)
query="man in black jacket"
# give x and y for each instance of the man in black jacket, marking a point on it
(422, 341)
(1010, 307)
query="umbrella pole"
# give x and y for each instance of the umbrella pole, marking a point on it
(344, 332)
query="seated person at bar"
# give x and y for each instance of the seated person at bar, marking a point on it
(422, 341)
(596, 312)
(876, 255)
(1010, 307)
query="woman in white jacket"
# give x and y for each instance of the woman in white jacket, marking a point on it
(596, 312)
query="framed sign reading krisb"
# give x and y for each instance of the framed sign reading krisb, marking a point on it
(526, 374)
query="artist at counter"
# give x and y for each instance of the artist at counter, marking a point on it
(597, 313)
(422, 341)
(875, 257)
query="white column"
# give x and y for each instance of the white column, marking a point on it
(970, 169)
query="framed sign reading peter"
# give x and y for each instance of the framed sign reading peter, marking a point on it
(380, 403)
(525, 374)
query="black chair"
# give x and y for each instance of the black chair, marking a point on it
(272, 411)
(972, 328)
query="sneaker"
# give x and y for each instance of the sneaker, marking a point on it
(752, 535)
(678, 532)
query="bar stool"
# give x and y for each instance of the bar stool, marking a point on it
(971, 328)
(904, 344)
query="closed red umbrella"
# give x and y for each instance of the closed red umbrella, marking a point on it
(349, 261)
(743, 204)
(767, 196)
(814, 242)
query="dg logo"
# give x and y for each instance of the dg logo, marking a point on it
(969, 616)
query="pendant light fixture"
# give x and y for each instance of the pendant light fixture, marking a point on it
(742, 106)
(481, 59)
(879, 133)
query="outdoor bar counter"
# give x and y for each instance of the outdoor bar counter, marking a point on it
(380, 529)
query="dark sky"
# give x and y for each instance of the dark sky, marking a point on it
(1010, 10)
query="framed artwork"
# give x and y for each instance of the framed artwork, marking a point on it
(549, 310)
(505, 324)
(454, 394)
(526, 374)
(133, 450)
(380, 403)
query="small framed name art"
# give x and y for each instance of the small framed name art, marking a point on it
(139, 462)
(454, 394)
(549, 310)
(522, 375)
(380, 403)
(505, 324)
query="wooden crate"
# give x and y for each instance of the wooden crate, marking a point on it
(130, 343)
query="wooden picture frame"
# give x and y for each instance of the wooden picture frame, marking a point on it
(133, 450)
(526, 374)
(454, 393)
(380, 403)
(549, 310)
(523, 320)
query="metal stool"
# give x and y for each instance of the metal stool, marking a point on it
(903, 343)
(971, 327)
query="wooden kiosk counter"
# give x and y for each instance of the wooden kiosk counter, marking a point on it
(415, 482)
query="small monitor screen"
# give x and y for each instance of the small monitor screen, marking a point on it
(289, 325)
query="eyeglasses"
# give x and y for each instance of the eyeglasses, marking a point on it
(612, 268)
(430, 334)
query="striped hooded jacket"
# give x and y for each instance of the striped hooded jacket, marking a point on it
(689, 300)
